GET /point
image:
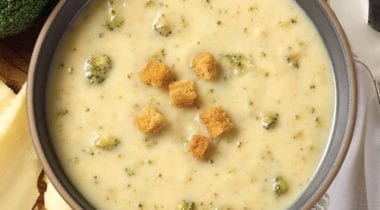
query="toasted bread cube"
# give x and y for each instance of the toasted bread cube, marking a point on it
(157, 74)
(204, 66)
(182, 93)
(216, 121)
(198, 145)
(149, 121)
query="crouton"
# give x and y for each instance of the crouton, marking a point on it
(216, 121)
(182, 93)
(157, 74)
(198, 145)
(204, 66)
(149, 121)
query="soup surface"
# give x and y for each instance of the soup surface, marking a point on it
(270, 77)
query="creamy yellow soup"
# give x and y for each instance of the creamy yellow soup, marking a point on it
(271, 64)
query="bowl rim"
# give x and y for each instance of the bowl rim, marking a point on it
(40, 150)
(353, 106)
(73, 201)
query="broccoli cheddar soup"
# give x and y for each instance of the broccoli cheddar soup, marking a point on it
(190, 104)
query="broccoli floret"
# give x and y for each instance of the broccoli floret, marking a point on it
(161, 25)
(97, 68)
(186, 205)
(106, 143)
(280, 186)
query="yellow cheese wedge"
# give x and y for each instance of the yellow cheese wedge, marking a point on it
(19, 165)
(6, 95)
(53, 200)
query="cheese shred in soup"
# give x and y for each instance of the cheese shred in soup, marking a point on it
(247, 133)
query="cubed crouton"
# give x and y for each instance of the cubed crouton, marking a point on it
(198, 145)
(182, 93)
(149, 121)
(157, 74)
(204, 66)
(216, 121)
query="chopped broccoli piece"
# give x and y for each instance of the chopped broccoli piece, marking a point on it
(186, 205)
(161, 25)
(280, 186)
(293, 60)
(97, 68)
(268, 121)
(235, 60)
(106, 143)
(129, 172)
(237, 63)
(287, 23)
(114, 22)
(150, 142)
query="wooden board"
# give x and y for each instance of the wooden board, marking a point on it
(15, 54)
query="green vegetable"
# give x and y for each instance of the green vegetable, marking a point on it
(298, 135)
(161, 25)
(18, 15)
(280, 186)
(129, 172)
(186, 205)
(149, 142)
(97, 68)
(287, 23)
(293, 60)
(237, 63)
(235, 60)
(268, 121)
(106, 143)
(114, 20)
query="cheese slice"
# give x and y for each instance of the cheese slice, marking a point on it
(53, 199)
(6, 95)
(19, 165)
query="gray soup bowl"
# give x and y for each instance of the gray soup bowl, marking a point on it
(344, 110)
